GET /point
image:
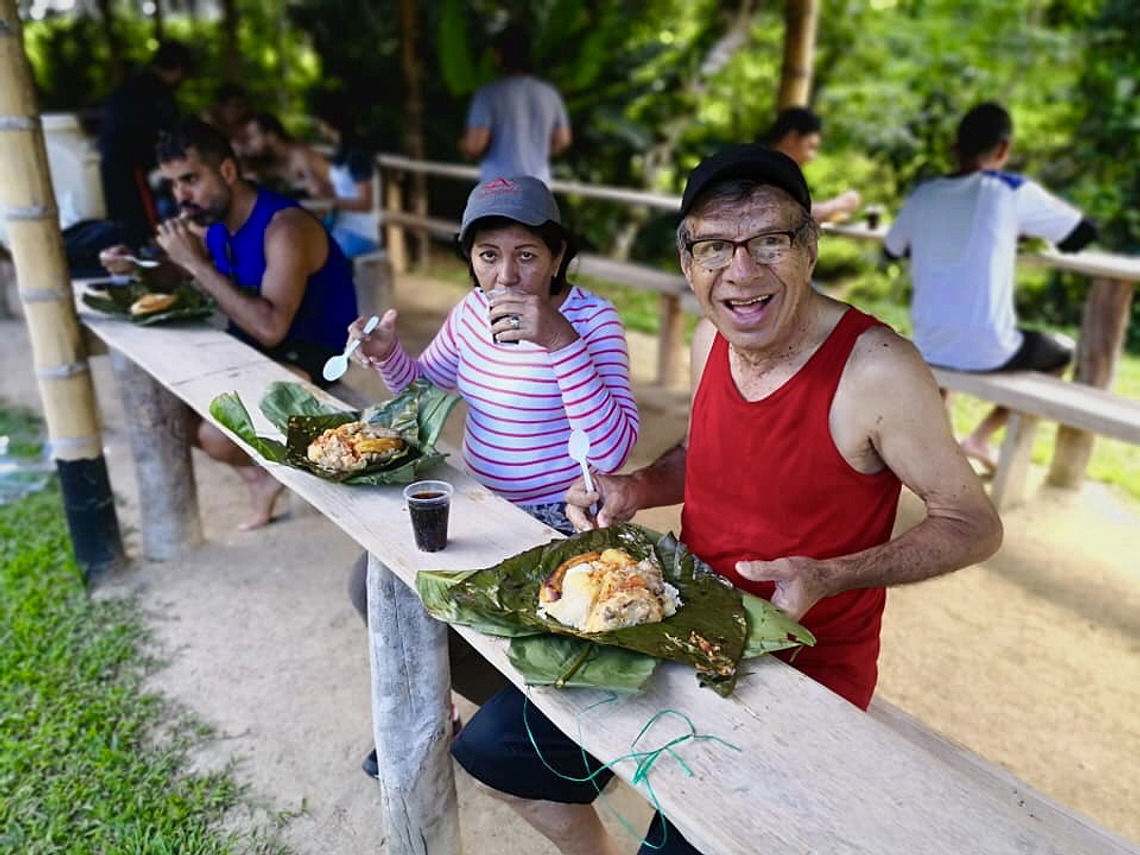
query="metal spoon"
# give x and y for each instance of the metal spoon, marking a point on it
(336, 365)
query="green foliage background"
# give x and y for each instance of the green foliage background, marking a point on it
(652, 88)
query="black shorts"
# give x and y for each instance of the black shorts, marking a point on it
(1041, 351)
(495, 748)
(310, 358)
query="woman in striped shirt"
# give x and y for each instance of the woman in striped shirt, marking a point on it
(534, 357)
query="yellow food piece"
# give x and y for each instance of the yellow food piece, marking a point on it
(148, 304)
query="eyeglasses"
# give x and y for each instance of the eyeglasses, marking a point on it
(766, 248)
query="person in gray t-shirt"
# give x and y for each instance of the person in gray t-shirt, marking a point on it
(516, 124)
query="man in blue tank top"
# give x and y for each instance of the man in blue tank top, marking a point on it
(271, 267)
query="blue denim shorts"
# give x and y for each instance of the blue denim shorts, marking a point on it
(494, 748)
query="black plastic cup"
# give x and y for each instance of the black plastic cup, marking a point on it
(429, 504)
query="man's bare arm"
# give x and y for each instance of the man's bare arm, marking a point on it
(660, 483)
(890, 393)
(845, 203)
(295, 247)
(560, 140)
(475, 142)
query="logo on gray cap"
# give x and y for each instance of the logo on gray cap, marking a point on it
(524, 199)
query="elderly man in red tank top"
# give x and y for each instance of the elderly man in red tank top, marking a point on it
(807, 416)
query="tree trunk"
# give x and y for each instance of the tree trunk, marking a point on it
(115, 62)
(801, 18)
(231, 50)
(27, 204)
(159, 21)
(414, 112)
(660, 155)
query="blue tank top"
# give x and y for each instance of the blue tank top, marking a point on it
(329, 304)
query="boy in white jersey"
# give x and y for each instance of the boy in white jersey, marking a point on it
(961, 233)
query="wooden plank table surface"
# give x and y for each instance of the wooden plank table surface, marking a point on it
(813, 773)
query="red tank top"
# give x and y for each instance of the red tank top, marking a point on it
(764, 480)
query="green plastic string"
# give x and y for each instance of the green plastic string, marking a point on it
(645, 760)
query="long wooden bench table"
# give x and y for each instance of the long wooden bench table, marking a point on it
(1032, 396)
(813, 774)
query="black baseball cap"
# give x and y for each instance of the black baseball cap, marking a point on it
(747, 160)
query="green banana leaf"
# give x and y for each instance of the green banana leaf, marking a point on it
(418, 414)
(552, 660)
(192, 304)
(711, 609)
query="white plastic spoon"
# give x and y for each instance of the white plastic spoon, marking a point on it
(143, 262)
(336, 365)
(579, 449)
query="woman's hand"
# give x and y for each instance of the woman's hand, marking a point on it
(538, 320)
(378, 345)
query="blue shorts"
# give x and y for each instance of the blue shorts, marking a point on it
(494, 748)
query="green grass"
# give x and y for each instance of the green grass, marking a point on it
(91, 762)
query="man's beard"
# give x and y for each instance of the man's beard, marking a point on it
(204, 216)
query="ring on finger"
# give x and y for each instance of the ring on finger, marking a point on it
(515, 322)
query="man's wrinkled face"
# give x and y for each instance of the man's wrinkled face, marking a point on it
(203, 192)
(754, 305)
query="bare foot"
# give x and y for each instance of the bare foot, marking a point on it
(263, 492)
(982, 452)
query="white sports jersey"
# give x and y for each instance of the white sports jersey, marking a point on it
(962, 234)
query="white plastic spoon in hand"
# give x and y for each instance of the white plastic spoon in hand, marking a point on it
(336, 365)
(143, 262)
(579, 449)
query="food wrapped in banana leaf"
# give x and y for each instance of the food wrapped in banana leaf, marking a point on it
(606, 636)
(139, 304)
(390, 443)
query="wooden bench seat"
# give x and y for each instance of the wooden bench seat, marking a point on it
(1032, 396)
(814, 774)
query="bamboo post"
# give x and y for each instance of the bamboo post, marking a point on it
(800, 20)
(671, 340)
(395, 237)
(411, 721)
(1103, 326)
(161, 430)
(27, 204)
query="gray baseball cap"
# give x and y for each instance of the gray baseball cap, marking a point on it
(522, 198)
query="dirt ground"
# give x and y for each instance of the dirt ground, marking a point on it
(1032, 660)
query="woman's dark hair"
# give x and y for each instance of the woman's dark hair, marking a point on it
(268, 123)
(798, 120)
(554, 235)
(982, 130)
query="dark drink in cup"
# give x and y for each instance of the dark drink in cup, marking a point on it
(874, 216)
(429, 504)
(491, 295)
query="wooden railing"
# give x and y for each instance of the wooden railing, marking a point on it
(1104, 322)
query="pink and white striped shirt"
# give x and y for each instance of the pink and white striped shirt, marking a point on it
(523, 400)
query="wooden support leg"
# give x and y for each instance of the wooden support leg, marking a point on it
(374, 283)
(671, 340)
(1103, 327)
(160, 429)
(395, 240)
(1008, 487)
(411, 718)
